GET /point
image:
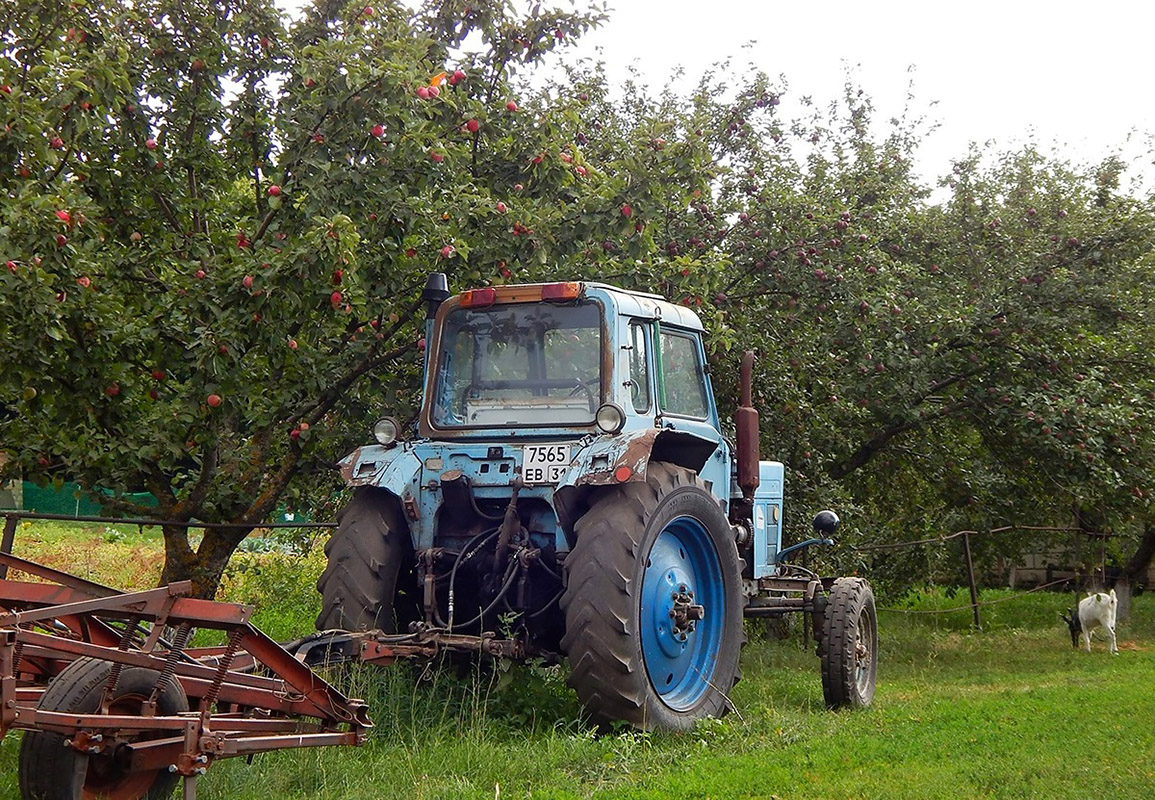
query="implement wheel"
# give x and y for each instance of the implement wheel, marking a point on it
(653, 606)
(849, 645)
(367, 557)
(51, 771)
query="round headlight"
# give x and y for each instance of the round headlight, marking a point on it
(610, 418)
(386, 431)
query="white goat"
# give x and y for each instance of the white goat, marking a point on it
(1096, 610)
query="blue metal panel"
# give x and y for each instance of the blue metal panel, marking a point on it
(767, 516)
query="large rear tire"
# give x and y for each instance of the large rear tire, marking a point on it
(849, 645)
(48, 769)
(653, 604)
(363, 586)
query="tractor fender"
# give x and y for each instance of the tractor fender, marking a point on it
(395, 469)
(612, 459)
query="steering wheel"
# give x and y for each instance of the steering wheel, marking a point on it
(585, 387)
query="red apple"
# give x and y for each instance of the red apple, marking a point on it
(457, 77)
(64, 217)
(338, 276)
(303, 426)
(472, 126)
(200, 274)
(274, 191)
(517, 187)
(247, 281)
(501, 207)
(61, 240)
(436, 157)
(511, 106)
(447, 251)
(11, 266)
(5, 88)
(335, 299)
(150, 143)
(84, 281)
(56, 143)
(292, 344)
(434, 91)
(157, 374)
(112, 390)
(423, 92)
(410, 252)
(377, 130)
(213, 400)
(626, 210)
(294, 434)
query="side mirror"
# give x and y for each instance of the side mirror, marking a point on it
(826, 522)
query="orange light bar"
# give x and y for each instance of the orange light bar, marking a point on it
(570, 290)
(479, 298)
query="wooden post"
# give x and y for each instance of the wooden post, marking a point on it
(10, 522)
(971, 580)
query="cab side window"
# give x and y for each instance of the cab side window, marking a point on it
(683, 376)
(639, 368)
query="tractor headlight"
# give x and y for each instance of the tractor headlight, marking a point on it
(386, 431)
(610, 417)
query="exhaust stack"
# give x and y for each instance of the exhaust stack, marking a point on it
(747, 424)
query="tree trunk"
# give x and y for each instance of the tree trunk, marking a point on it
(1135, 570)
(206, 565)
(1123, 593)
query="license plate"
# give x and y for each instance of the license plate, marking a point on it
(544, 463)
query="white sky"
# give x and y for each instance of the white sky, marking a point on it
(1071, 77)
(1076, 76)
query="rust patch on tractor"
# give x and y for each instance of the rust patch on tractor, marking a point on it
(599, 463)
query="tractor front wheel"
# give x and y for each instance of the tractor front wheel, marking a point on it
(849, 645)
(653, 603)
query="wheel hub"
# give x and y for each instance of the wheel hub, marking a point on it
(684, 612)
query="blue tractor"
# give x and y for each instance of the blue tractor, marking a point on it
(569, 492)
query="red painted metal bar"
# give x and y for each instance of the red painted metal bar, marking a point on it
(150, 602)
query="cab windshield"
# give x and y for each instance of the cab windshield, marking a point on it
(523, 364)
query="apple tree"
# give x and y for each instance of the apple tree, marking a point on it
(216, 226)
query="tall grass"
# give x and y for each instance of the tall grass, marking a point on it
(1011, 711)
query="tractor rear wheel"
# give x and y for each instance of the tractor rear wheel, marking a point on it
(653, 603)
(369, 556)
(849, 645)
(51, 771)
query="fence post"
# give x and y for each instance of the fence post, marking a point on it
(10, 522)
(971, 580)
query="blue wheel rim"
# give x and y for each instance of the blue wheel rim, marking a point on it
(680, 657)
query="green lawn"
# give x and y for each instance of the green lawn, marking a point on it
(1011, 712)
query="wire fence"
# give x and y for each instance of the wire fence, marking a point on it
(965, 536)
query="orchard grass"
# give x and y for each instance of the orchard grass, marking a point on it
(1009, 712)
